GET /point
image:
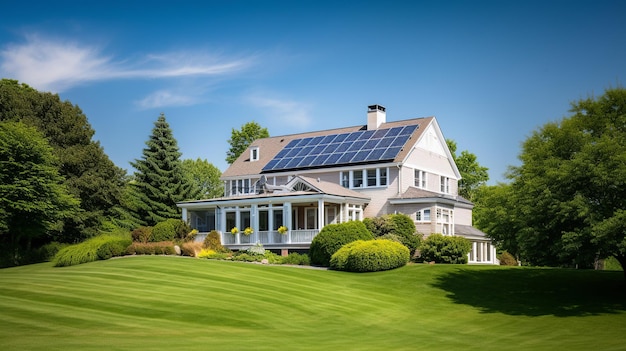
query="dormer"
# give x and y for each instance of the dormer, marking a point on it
(254, 153)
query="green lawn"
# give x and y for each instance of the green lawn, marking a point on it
(172, 303)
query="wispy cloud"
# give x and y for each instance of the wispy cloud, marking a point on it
(166, 98)
(286, 112)
(57, 65)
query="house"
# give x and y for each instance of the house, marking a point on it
(302, 182)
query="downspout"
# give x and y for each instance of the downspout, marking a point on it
(399, 178)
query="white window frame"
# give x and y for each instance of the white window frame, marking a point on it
(420, 215)
(254, 153)
(347, 178)
(444, 184)
(420, 178)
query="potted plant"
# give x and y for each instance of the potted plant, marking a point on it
(234, 231)
(282, 230)
(248, 231)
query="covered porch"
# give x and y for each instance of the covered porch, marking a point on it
(288, 219)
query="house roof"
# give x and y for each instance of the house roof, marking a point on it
(270, 147)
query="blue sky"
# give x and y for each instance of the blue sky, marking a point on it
(490, 71)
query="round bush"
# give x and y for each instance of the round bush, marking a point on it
(142, 234)
(506, 259)
(213, 242)
(445, 249)
(370, 256)
(166, 230)
(332, 237)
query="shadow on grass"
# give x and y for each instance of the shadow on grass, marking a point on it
(536, 292)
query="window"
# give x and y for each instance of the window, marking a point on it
(241, 186)
(420, 179)
(422, 215)
(357, 179)
(364, 178)
(383, 176)
(254, 154)
(445, 184)
(371, 177)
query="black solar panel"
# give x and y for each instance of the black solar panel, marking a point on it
(336, 149)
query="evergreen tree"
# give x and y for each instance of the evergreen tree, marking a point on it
(159, 181)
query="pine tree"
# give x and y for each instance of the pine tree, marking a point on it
(159, 181)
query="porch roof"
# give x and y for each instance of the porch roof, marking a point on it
(417, 195)
(467, 231)
(321, 189)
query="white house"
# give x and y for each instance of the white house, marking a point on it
(305, 181)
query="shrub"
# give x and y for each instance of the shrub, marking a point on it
(112, 249)
(213, 242)
(48, 251)
(160, 248)
(400, 225)
(506, 259)
(445, 249)
(87, 251)
(206, 253)
(165, 231)
(370, 256)
(332, 237)
(142, 234)
(296, 259)
(191, 248)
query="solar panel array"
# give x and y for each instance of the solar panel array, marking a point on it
(335, 149)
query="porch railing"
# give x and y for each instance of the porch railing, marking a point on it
(271, 237)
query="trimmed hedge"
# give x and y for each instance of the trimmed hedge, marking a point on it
(400, 225)
(445, 249)
(160, 248)
(97, 248)
(370, 256)
(332, 237)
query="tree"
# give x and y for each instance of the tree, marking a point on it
(569, 193)
(473, 175)
(205, 176)
(159, 181)
(33, 197)
(88, 172)
(241, 139)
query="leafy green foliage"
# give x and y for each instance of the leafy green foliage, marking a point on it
(445, 249)
(169, 230)
(332, 237)
(159, 181)
(34, 201)
(295, 258)
(205, 177)
(566, 204)
(473, 175)
(87, 171)
(396, 227)
(241, 139)
(90, 250)
(370, 256)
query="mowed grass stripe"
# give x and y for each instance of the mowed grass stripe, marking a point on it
(155, 303)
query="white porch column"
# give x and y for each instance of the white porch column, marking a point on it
(222, 224)
(184, 215)
(237, 219)
(320, 214)
(254, 217)
(287, 219)
(474, 253)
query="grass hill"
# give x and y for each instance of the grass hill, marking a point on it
(173, 303)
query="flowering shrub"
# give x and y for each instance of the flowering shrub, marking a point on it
(234, 231)
(282, 229)
(206, 253)
(248, 231)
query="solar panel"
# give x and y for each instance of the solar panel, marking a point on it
(344, 148)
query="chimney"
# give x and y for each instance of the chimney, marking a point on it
(375, 116)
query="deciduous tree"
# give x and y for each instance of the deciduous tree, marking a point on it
(241, 139)
(205, 176)
(473, 175)
(33, 197)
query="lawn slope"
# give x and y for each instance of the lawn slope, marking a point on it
(165, 303)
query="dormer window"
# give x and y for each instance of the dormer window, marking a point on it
(254, 153)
